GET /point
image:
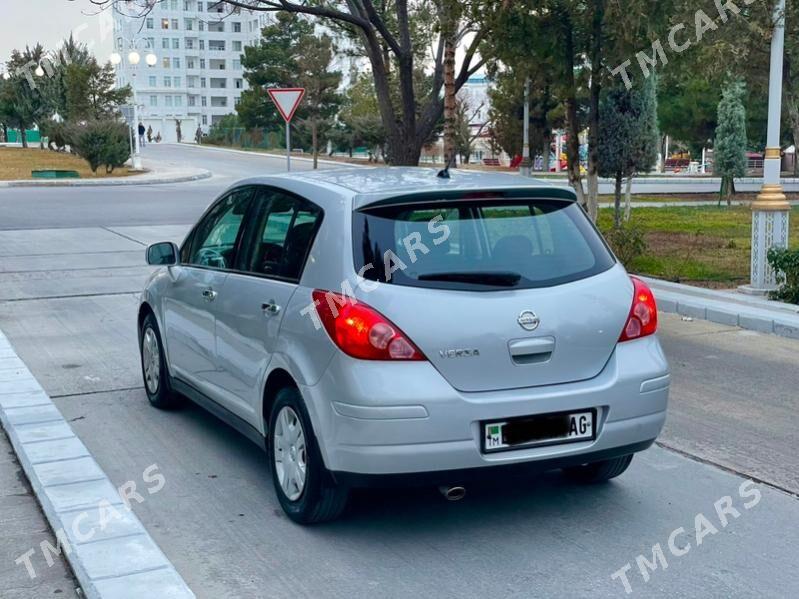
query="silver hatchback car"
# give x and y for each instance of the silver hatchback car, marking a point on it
(383, 325)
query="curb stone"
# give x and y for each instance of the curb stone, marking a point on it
(275, 155)
(119, 182)
(727, 308)
(121, 560)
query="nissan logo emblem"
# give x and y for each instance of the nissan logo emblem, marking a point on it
(528, 320)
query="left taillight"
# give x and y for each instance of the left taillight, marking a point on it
(643, 317)
(361, 331)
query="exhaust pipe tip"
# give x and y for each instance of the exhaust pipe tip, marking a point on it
(453, 493)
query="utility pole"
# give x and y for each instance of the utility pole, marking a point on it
(525, 165)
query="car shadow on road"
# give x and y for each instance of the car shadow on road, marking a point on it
(539, 497)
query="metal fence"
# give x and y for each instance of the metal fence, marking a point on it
(239, 137)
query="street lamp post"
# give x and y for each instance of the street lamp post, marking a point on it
(771, 209)
(526, 165)
(134, 58)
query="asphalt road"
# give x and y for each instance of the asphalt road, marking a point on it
(68, 286)
(58, 207)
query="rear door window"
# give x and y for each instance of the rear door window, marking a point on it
(484, 244)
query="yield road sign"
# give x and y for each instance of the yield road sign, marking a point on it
(287, 100)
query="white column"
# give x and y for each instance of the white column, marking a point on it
(136, 154)
(525, 166)
(558, 149)
(771, 209)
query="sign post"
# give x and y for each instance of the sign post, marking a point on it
(287, 100)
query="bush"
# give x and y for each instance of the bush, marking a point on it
(101, 143)
(786, 263)
(57, 135)
(627, 242)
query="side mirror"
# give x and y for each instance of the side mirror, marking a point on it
(163, 254)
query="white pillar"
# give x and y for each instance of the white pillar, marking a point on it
(525, 166)
(771, 209)
(136, 153)
(558, 150)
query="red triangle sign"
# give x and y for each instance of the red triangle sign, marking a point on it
(287, 100)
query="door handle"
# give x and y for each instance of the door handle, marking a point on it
(209, 294)
(270, 308)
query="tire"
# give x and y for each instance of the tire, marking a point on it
(599, 472)
(318, 498)
(154, 371)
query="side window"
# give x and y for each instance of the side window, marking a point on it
(213, 243)
(286, 229)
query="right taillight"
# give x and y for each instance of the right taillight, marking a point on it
(361, 331)
(643, 318)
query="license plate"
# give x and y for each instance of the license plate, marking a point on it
(543, 429)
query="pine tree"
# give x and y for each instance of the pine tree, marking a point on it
(628, 134)
(729, 149)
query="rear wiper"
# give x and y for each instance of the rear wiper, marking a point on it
(499, 279)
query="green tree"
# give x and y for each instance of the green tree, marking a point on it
(395, 37)
(271, 63)
(22, 101)
(729, 149)
(507, 111)
(628, 138)
(322, 100)
(359, 122)
(617, 126)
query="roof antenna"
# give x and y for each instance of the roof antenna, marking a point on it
(444, 173)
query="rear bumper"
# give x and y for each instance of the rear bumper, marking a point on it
(467, 475)
(405, 419)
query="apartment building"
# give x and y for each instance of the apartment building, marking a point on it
(197, 77)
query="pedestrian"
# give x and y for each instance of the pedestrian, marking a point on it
(158, 138)
(142, 131)
(150, 133)
(198, 136)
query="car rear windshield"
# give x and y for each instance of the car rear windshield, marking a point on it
(478, 245)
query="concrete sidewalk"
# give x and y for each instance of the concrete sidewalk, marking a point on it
(111, 554)
(727, 307)
(157, 173)
(23, 527)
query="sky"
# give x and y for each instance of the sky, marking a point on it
(26, 22)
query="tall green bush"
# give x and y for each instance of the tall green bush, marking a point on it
(729, 149)
(101, 143)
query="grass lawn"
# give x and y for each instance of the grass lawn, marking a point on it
(17, 163)
(702, 245)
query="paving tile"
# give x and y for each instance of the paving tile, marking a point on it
(48, 431)
(82, 495)
(26, 399)
(68, 471)
(32, 415)
(12, 375)
(20, 386)
(103, 558)
(135, 586)
(100, 523)
(58, 449)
